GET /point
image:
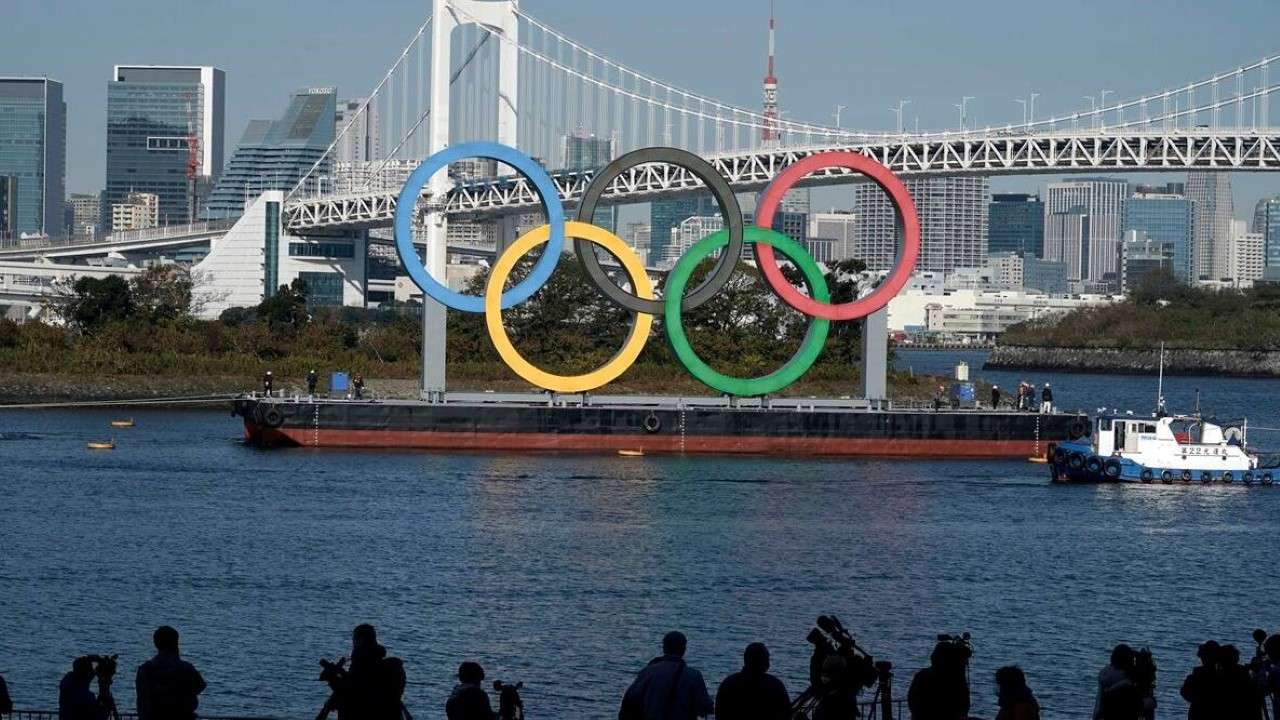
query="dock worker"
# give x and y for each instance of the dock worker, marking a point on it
(268, 381)
(312, 379)
(358, 385)
(995, 397)
(1046, 399)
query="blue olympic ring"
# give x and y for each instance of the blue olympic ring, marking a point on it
(523, 164)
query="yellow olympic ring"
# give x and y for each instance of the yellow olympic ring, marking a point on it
(606, 373)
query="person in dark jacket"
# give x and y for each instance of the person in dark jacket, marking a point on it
(995, 397)
(469, 701)
(358, 385)
(168, 687)
(1013, 696)
(312, 379)
(1203, 688)
(1119, 698)
(1242, 699)
(667, 688)
(753, 694)
(940, 691)
(1046, 399)
(373, 687)
(76, 700)
(268, 382)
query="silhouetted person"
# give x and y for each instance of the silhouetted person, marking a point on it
(1013, 696)
(312, 379)
(1241, 698)
(753, 694)
(1119, 698)
(469, 701)
(940, 691)
(1203, 687)
(6, 703)
(268, 382)
(1046, 399)
(168, 687)
(358, 385)
(995, 396)
(1266, 674)
(837, 700)
(76, 700)
(667, 688)
(373, 686)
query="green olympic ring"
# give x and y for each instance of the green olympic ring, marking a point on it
(815, 337)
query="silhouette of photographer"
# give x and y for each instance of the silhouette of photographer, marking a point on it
(168, 687)
(469, 701)
(667, 688)
(6, 704)
(941, 691)
(752, 693)
(1014, 698)
(372, 688)
(76, 700)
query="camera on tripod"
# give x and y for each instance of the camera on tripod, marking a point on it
(838, 667)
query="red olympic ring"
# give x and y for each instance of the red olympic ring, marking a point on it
(902, 202)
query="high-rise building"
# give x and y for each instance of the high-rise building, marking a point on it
(1101, 201)
(797, 200)
(839, 227)
(161, 120)
(1266, 222)
(687, 234)
(1047, 276)
(1248, 254)
(953, 223)
(275, 155)
(586, 151)
(362, 141)
(1141, 257)
(1066, 240)
(637, 234)
(1165, 214)
(139, 211)
(33, 150)
(8, 206)
(1211, 224)
(86, 213)
(665, 215)
(1015, 224)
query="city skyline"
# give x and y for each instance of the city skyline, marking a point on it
(812, 58)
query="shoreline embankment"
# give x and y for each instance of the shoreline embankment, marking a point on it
(1136, 361)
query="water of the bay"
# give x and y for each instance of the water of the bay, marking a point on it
(564, 571)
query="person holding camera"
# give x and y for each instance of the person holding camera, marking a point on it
(76, 700)
(373, 687)
(168, 687)
(941, 691)
(753, 694)
(6, 704)
(1265, 667)
(667, 689)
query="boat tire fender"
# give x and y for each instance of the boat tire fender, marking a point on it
(1076, 461)
(1078, 428)
(1206, 477)
(1166, 477)
(272, 417)
(1147, 475)
(652, 423)
(1186, 476)
(1111, 468)
(1247, 478)
(1093, 464)
(1228, 477)
(1266, 478)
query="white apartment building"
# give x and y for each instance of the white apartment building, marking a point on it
(688, 233)
(1248, 256)
(139, 211)
(953, 223)
(1083, 222)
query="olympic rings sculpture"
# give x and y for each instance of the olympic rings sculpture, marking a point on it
(640, 300)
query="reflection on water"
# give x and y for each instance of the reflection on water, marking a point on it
(564, 571)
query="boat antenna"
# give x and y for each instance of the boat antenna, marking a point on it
(1160, 386)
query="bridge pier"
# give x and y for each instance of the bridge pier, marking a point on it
(875, 356)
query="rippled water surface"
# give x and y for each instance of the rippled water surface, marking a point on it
(563, 572)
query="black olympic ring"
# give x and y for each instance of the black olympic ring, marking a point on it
(724, 196)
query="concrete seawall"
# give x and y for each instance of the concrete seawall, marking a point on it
(1239, 363)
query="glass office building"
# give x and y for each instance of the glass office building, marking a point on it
(33, 153)
(586, 151)
(154, 115)
(1015, 224)
(1166, 216)
(276, 154)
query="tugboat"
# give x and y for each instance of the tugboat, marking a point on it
(1183, 448)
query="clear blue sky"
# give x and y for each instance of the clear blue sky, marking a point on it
(862, 54)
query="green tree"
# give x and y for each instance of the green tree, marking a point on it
(92, 302)
(288, 306)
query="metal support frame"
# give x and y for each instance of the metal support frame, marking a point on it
(500, 17)
(875, 356)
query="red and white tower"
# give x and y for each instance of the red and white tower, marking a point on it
(769, 133)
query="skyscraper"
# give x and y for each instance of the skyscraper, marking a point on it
(1165, 214)
(362, 142)
(664, 215)
(953, 223)
(1266, 222)
(586, 151)
(1211, 225)
(33, 150)
(839, 227)
(161, 121)
(1066, 240)
(1101, 201)
(8, 206)
(1248, 254)
(1015, 224)
(275, 154)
